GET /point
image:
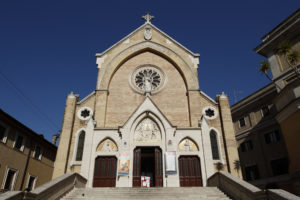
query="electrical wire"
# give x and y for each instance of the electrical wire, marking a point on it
(34, 107)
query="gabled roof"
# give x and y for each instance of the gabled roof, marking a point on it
(157, 29)
(147, 105)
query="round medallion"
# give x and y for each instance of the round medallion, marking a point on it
(147, 79)
(209, 112)
(84, 113)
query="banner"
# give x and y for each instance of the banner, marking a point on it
(170, 161)
(124, 161)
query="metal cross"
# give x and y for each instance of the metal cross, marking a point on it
(148, 17)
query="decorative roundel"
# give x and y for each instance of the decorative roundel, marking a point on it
(84, 113)
(147, 78)
(209, 112)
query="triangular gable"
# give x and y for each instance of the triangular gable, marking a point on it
(147, 105)
(158, 30)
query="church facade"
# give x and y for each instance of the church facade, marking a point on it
(146, 119)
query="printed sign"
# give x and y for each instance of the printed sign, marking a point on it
(170, 161)
(124, 161)
(145, 181)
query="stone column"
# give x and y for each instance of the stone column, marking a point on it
(230, 143)
(62, 155)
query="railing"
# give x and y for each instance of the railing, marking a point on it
(281, 195)
(239, 189)
(235, 187)
(54, 189)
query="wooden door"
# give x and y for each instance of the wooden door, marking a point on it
(189, 171)
(136, 179)
(158, 168)
(105, 172)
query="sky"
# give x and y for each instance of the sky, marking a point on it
(47, 48)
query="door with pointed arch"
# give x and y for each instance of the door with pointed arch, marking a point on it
(190, 171)
(147, 162)
(105, 171)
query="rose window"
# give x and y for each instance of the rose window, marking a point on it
(147, 79)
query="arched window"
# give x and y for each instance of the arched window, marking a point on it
(80, 145)
(214, 145)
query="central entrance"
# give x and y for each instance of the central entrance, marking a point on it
(147, 162)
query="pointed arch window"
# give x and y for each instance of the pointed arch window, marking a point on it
(214, 145)
(80, 145)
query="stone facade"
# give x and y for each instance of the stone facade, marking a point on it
(125, 111)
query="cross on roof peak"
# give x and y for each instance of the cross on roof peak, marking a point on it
(148, 17)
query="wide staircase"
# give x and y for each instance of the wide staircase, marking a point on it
(146, 193)
(74, 186)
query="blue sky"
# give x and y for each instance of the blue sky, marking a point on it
(47, 48)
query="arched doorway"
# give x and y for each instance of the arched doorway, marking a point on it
(190, 171)
(105, 171)
(147, 162)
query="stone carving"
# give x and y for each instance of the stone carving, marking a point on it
(209, 112)
(187, 145)
(107, 146)
(148, 17)
(84, 113)
(148, 32)
(147, 131)
(147, 79)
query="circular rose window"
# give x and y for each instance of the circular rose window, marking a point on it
(147, 79)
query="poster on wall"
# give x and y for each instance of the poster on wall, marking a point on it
(123, 168)
(170, 161)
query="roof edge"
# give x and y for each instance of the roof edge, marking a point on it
(156, 28)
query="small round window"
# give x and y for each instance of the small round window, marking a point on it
(84, 113)
(209, 112)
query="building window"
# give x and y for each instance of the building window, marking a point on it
(37, 153)
(10, 180)
(272, 137)
(3, 132)
(280, 166)
(242, 122)
(19, 142)
(31, 183)
(80, 146)
(214, 145)
(252, 173)
(265, 111)
(246, 146)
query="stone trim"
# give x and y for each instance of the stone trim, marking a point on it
(139, 28)
(73, 161)
(219, 145)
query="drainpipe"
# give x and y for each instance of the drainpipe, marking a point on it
(26, 166)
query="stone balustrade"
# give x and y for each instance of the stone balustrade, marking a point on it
(54, 189)
(239, 189)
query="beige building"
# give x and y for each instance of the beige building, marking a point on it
(272, 155)
(262, 150)
(26, 158)
(146, 117)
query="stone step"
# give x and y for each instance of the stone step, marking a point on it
(210, 193)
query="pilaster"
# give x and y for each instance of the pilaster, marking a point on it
(60, 164)
(230, 143)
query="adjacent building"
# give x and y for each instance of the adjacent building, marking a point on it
(267, 121)
(26, 158)
(146, 117)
